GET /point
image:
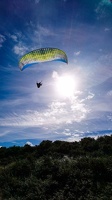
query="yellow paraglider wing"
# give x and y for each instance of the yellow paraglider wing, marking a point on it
(42, 55)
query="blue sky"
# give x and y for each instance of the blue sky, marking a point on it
(81, 28)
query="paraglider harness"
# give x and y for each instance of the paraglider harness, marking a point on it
(39, 84)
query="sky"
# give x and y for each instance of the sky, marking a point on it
(75, 100)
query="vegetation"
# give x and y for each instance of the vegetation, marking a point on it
(57, 171)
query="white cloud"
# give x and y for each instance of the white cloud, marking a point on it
(57, 113)
(5, 133)
(55, 74)
(43, 31)
(20, 49)
(15, 102)
(29, 143)
(37, 1)
(77, 53)
(89, 96)
(109, 117)
(40, 33)
(14, 37)
(73, 138)
(102, 8)
(107, 29)
(101, 4)
(106, 2)
(109, 93)
(100, 50)
(2, 40)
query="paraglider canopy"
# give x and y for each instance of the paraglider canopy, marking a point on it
(42, 55)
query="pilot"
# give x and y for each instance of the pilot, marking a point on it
(39, 84)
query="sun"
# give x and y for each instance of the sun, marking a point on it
(66, 85)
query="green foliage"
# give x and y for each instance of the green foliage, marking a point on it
(58, 171)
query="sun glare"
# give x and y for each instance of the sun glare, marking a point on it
(66, 85)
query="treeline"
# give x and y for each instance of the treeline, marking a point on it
(57, 170)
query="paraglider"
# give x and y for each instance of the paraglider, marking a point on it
(42, 55)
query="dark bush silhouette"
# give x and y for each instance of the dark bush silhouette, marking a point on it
(57, 170)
